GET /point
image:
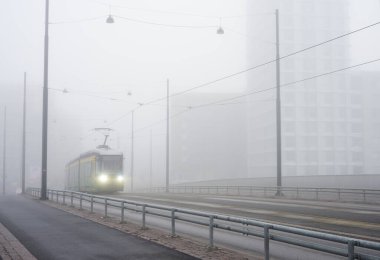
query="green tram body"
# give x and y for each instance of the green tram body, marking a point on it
(97, 171)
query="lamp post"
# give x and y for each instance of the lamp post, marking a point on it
(4, 148)
(45, 107)
(150, 161)
(278, 110)
(167, 137)
(132, 140)
(23, 140)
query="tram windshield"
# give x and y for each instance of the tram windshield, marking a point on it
(112, 163)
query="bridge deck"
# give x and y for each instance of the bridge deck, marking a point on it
(49, 233)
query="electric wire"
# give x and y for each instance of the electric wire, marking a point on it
(80, 20)
(181, 13)
(257, 92)
(288, 84)
(166, 25)
(263, 64)
(266, 63)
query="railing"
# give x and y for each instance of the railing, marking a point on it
(323, 242)
(333, 194)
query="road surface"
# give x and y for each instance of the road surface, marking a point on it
(49, 233)
(349, 219)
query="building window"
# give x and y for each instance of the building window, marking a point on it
(357, 170)
(340, 157)
(340, 141)
(356, 142)
(328, 127)
(290, 141)
(341, 112)
(328, 141)
(356, 128)
(357, 156)
(356, 113)
(289, 127)
(290, 156)
(289, 112)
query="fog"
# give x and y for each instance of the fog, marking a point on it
(222, 115)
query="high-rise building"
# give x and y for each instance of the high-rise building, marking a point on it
(319, 116)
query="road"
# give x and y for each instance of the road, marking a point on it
(49, 233)
(349, 219)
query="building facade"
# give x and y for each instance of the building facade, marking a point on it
(323, 123)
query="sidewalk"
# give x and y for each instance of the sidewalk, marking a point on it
(11, 248)
(49, 233)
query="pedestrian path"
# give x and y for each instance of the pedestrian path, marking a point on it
(49, 233)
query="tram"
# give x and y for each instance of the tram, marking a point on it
(96, 171)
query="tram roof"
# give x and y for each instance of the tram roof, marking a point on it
(96, 152)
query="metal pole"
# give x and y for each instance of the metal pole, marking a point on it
(151, 161)
(4, 147)
(278, 109)
(79, 172)
(23, 140)
(167, 137)
(266, 242)
(132, 150)
(45, 107)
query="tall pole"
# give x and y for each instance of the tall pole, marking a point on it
(45, 108)
(278, 109)
(151, 160)
(132, 129)
(23, 140)
(167, 136)
(4, 148)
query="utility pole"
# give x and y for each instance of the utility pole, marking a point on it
(132, 128)
(23, 140)
(278, 109)
(45, 108)
(167, 136)
(151, 161)
(4, 148)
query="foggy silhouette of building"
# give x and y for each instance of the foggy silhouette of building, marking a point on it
(321, 118)
(207, 143)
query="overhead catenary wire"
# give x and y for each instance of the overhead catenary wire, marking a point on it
(180, 13)
(263, 64)
(164, 24)
(257, 66)
(79, 20)
(287, 84)
(218, 102)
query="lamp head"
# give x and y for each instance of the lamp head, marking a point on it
(220, 30)
(110, 19)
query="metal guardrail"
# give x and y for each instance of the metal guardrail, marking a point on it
(341, 246)
(325, 194)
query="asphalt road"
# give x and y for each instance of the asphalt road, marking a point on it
(49, 233)
(349, 219)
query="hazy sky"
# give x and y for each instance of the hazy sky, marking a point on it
(95, 61)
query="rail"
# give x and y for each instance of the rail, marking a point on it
(343, 246)
(322, 194)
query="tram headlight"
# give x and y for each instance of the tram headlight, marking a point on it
(103, 178)
(120, 178)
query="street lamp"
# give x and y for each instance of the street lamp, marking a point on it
(220, 29)
(23, 140)
(4, 148)
(110, 19)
